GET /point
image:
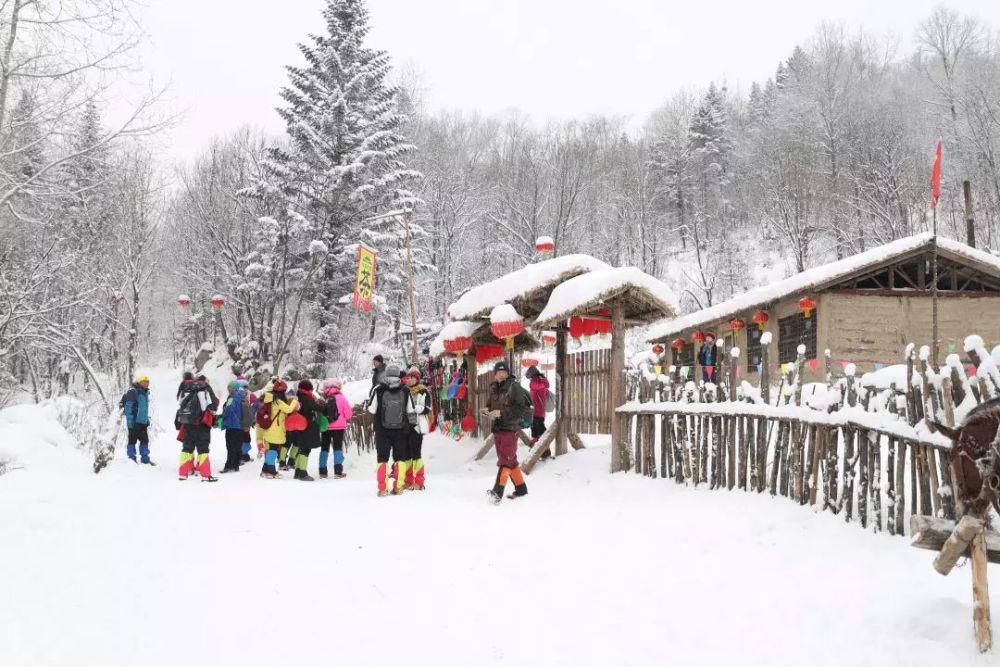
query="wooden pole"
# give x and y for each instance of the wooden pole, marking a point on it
(981, 593)
(407, 219)
(616, 380)
(956, 544)
(472, 391)
(934, 296)
(562, 394)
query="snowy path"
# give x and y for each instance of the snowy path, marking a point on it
(132, 567)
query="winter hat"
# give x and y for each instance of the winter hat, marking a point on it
(533, 372)
(233, 385)
(414, 372)
(306, 385)
(391, 372)
(331, 383)
(143, 378)
(188, 375)
(280, 386)
(501, 366)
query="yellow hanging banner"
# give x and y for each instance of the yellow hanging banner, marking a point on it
(364, 284)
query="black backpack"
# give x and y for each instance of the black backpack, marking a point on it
(190, 411)
(521, 401)
(393, 408)
(332, 412)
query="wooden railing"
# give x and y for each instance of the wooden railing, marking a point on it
(850, 462)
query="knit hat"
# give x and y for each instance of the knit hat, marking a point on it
(378, 358)
(330, 383)
(280, 386)
(306, 384)
(533, 372)
(501, 366)
(143, 378)
(414, 372)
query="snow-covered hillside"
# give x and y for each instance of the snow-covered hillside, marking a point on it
(132, 567)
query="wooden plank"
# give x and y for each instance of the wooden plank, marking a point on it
(576, 442)
(818, 457)
(900, 486)
(561, 392)
(485, 448)
(731, 435)
(863, 460)
(875, 486)
(540, 447)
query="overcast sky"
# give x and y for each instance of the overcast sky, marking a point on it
(223, 59)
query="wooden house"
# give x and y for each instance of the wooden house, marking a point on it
(864, 309)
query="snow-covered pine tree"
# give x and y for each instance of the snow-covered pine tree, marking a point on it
(345, 158)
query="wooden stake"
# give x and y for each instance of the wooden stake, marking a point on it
(981, 594)
(956, 544)
(616, 378)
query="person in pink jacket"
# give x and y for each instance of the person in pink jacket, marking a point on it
(539, 395)
(339, 413)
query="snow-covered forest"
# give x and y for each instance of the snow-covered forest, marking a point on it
(718, 190)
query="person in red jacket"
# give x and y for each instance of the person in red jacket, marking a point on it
(539, 396)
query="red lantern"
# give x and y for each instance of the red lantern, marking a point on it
(458, 345)
(658, 349)
(699, 336)
(576, 327)
(218, 302)
(183, 301)
(807, 304)
(506, 324)
(545, 246)
(528, 362)
(548, 339)
(677, 344)
(486, 353)
(736, 324)
(760, 318)
(468, 423)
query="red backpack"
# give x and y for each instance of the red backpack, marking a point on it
(263, 417)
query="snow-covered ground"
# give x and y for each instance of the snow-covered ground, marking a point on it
(131, 567)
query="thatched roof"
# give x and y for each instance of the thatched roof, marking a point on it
(824, 277)
(643, 297)
(480, 334)
(526, 289)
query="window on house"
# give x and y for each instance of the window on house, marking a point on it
(754, 351)
(686, 356)
(793, 331)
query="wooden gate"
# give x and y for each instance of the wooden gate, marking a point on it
(588, 404)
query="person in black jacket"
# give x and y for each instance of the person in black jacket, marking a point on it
(706, 357)
(378, 370)
(390, 403)
(195, 404)
(310, 407)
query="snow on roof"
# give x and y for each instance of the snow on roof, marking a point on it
(592, 288)
(480, 300)
(817, 277)
(452, 330)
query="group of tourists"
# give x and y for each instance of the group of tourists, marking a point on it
(289, 424)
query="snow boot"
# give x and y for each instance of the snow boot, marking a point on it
(495, 495)
(303, 476)
(383, 494)
(245, 458)
(148, 462)
(338, 471)
(323, 473)
(209, 479)
(519, 490)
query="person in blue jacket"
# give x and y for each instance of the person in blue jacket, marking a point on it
(237, 419)
(135, 404)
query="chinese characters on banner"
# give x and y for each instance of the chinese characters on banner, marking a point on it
(364, 284)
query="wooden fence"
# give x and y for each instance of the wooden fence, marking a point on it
(868, 475)
(588, 408)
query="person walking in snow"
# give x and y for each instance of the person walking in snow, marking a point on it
(378, 370)
(135, 404)
(196, 415)
(311, 407)
(339, 413)
(507, 405)
(539, 397)
(706, 357)
(237, 418)
(410, 472)
(271, 418)
(391, 405)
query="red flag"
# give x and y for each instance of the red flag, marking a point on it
(936, 176)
